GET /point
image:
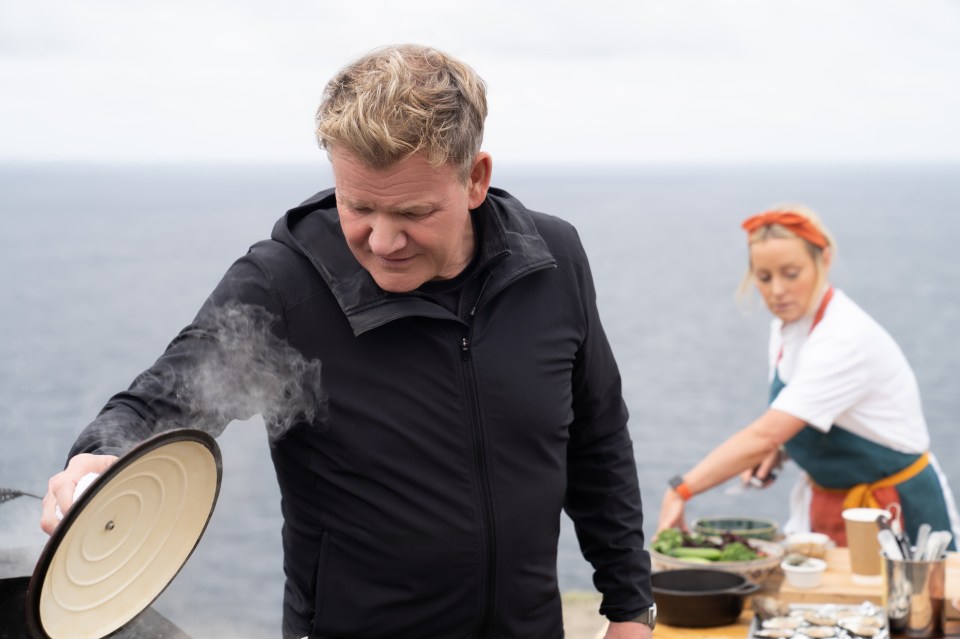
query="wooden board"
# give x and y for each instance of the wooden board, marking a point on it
(739, 630)
(953, 586)
(838, 586)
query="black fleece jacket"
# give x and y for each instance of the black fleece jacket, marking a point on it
(424, 499)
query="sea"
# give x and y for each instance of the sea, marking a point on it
(101, 265)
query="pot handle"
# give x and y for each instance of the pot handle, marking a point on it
(746, 588)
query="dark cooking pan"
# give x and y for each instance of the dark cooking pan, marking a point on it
(696, 598)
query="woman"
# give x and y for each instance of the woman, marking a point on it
(844, 403)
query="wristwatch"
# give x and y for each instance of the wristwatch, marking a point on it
(648, 617)
(680, 487)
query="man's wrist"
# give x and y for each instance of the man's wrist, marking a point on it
(647, 617)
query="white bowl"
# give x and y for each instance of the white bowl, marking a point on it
(809, 574)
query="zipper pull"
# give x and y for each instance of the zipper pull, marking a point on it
(465, 348)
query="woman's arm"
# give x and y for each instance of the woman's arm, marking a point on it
(744, 450)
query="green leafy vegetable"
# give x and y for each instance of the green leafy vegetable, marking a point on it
(667, 540)
(737, 551)
(699, 549)
(711, 554)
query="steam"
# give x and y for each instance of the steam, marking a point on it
(245, 369)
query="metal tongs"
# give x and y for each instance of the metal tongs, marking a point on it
(753, 482)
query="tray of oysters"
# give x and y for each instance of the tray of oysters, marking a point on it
(775, 619)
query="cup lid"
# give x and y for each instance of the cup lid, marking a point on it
(125, 538)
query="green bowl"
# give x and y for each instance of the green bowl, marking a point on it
(750, 527)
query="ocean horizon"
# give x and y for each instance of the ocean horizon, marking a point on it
(101, 266)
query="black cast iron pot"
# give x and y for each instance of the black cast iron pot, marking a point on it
(695, 598)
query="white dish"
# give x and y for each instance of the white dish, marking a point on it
(806, 575)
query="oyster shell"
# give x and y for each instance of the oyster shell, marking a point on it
(769, 607)
(783, 622)
(862, 625)
(819, 617)
(819, 632)
(774, 633)
(866, 621)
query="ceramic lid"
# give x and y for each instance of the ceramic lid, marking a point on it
(125, 538)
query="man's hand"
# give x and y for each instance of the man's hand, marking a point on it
(61, 486)
(627, 630)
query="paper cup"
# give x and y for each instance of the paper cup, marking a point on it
(861, 526)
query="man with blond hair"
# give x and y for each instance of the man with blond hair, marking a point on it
(470, 391)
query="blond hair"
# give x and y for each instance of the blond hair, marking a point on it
(777, 231)
(400, 100)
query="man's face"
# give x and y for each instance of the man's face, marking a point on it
(409, 223)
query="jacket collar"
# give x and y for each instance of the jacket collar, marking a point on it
(511, 248)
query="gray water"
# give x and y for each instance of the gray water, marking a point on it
(101, 266)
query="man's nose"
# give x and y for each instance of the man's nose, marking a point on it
(386, 236)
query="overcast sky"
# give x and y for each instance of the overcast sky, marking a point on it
(596, 81)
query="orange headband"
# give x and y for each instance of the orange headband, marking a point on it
(797, 224)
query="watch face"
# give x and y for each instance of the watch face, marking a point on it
(652, 615)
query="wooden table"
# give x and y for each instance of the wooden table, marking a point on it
(837, 587)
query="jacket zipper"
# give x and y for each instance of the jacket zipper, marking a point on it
(483, 482)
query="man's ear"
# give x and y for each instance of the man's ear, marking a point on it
(479, 180)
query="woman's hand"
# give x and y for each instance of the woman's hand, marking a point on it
(61, 486)
(764, 473)
(671, 511)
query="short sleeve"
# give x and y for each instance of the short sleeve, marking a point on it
(830, 376)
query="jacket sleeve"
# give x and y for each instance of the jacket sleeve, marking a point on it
(603, 495)
(205, 378)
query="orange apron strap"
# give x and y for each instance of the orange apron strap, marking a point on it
(828, 503)
(862, 495)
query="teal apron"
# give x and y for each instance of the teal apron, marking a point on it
(839, 459)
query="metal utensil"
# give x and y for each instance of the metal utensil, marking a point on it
(923, 534)
(889, 544)
(903, 548)
(937, 545)
(753, 482)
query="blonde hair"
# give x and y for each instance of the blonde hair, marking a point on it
(777, 231)
(400, 100)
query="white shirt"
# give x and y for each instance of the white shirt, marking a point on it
(849, 371)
